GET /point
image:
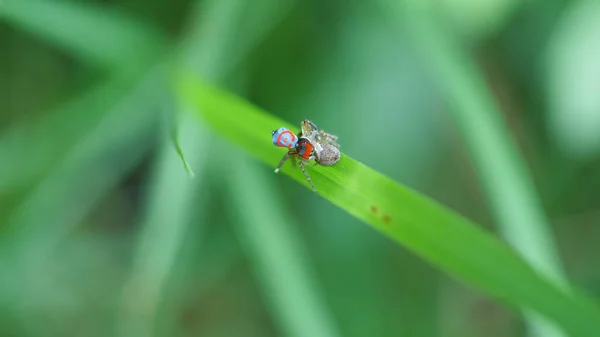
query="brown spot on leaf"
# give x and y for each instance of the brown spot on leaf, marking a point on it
(374, 209)
(386, 218)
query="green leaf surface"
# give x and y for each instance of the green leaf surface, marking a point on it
(502, 171)
(432, 231)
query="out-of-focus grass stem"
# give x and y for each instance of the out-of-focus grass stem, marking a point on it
(280, 258)
(502, 170)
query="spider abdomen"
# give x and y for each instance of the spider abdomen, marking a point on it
(329, 155)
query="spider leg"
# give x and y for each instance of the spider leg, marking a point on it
(282, 162)
(327, 138)
(334, 143)
(332, 139)
(309, 164)
(294, 161)
(307, 176)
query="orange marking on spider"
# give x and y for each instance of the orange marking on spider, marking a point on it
(310, 144)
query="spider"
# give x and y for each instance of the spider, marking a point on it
(310, 144)
(310, 128)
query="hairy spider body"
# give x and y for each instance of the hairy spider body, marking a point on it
(310, 144)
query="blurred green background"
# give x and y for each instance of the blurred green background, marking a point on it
(103, 232)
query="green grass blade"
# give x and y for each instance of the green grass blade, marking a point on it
(94, 35)
(434, 232)
(40, 215)
(215, 49)
(46, 216)
(502, 170)
(283, 274)
(175, 139)
(26, 146)
(209, 39)
(279, 256)
(164, 226)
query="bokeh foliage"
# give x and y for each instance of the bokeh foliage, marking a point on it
(103, 231)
